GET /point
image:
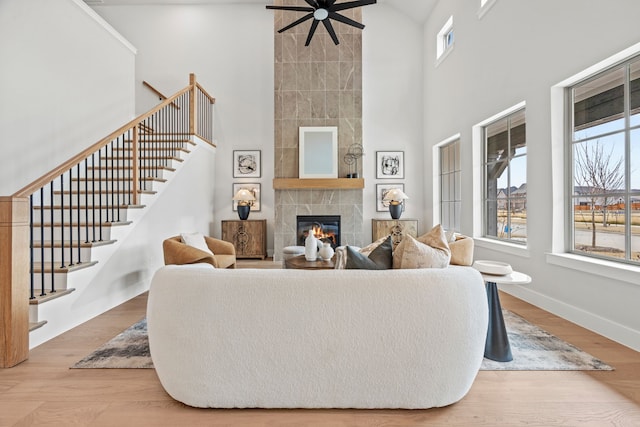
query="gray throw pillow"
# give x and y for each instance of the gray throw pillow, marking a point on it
(381, 258)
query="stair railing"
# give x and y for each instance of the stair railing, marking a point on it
(45, 225)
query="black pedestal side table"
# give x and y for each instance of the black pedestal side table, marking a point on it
(497, 345)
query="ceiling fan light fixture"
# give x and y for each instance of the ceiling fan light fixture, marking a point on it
(325, 11)
(321, 14)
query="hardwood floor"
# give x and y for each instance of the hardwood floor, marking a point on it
(44, 391)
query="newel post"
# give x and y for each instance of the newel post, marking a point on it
(14, 280)
(192, 104)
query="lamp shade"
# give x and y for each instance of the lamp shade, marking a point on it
(395, 195)
(243, 196)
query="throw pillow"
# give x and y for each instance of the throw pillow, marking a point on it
(462, 250)
(196, 240)
(381, 258)
(341, 252)
(428, 251)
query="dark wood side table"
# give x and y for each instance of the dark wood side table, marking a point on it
(301, 263)
(249, 237)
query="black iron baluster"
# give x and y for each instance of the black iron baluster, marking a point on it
(78, 202)
(32, 289)
(62, 216)
(118, 165)
(112, 186)
(52, 228)
(101, 191)
(42, 272)
(86, 202)
(93, 198)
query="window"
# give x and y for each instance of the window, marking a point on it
(450, 186)
(485, 5)
(445, 38)
(505, 178)
(604, 142)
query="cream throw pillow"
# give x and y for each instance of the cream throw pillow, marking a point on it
(196, 240)
(462, 250)
(428, 251)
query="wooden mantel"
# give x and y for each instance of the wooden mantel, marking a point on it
(318, 184)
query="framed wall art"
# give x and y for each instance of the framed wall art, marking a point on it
(381, 190)
(246, 164)
(254, 188)
(318, 152)
(390, 164)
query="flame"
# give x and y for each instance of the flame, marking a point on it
(320, 234)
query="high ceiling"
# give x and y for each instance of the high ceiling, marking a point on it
(417, 9)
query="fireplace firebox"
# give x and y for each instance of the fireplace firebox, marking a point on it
(325, 227)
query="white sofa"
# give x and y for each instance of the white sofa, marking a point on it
(253, 338)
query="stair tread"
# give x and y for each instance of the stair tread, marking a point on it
(119, 191)
(90, 207)
(39, 299)
(120, 178)
(129, 167)
(35, 325)
(145, 148)
(48, 267)
(143, 158)
(67, 244)
(83, 224)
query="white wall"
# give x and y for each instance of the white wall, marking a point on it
(230, 49)
(515, 53)
(65, 83)
(392, 58)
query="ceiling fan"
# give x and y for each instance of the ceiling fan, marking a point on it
(323, 11)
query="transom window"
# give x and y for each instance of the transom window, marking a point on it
(505, 178)
(605, 164)
(450, 186)
(445, 38)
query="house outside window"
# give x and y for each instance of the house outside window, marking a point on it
(450, 186)
(604, 140)
(505, 178)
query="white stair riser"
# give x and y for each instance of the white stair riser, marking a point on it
(73, 215)
(60, 233)
(97, 186)
(85, 255)
(144, 172)
(90, 200)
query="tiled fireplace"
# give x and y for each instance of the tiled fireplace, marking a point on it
(318, 85)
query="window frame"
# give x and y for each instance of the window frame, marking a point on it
(443, 48)
(570, 142)
(508, 115)
(457, 173)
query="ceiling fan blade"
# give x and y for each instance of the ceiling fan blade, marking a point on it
(345, 20)
(292, 8)
(352, 4)
(331, 31)
(313, 3)
(299, 21)
(312, 30)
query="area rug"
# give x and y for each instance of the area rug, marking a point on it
(533, 349)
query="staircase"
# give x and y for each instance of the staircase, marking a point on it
(63, 221)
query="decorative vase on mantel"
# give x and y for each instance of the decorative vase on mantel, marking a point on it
(311, 246)
(326, 251)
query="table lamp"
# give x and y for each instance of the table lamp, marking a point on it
(245, 199)
(396, 198)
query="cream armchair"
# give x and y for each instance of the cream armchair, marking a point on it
(177, 252)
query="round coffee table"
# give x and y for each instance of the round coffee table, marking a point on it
(300, 262)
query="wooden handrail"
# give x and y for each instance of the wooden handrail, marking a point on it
(53, 174)
(160, 94)
(205, 93)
